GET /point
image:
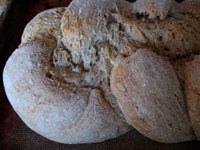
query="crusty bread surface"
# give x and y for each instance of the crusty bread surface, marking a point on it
(86, 72)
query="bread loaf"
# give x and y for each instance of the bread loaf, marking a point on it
(84, 72)
(59, 103)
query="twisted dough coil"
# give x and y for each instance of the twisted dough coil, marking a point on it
(82, 71)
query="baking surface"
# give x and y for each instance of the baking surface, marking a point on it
(14, 134)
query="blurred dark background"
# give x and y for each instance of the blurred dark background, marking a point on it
(14, 134)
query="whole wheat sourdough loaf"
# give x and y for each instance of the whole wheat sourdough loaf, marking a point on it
(83, 73)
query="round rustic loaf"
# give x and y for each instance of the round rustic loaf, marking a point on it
(83, 73)
(67, 105)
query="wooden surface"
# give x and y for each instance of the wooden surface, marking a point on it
(14, 134)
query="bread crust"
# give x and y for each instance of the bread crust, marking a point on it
(50, 98)
(192, 89)
(58, 80)
(53, 108)
(150, 96)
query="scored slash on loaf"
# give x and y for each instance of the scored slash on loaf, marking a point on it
(88, 72)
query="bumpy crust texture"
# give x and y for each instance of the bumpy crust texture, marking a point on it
(64, 113)
(54, 103)
(58, 80)
(160, 8)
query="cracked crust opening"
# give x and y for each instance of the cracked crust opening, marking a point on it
(72, 92)
(66, 113)
(69, 55)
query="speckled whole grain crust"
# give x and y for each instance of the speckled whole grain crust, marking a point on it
(73, 77)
